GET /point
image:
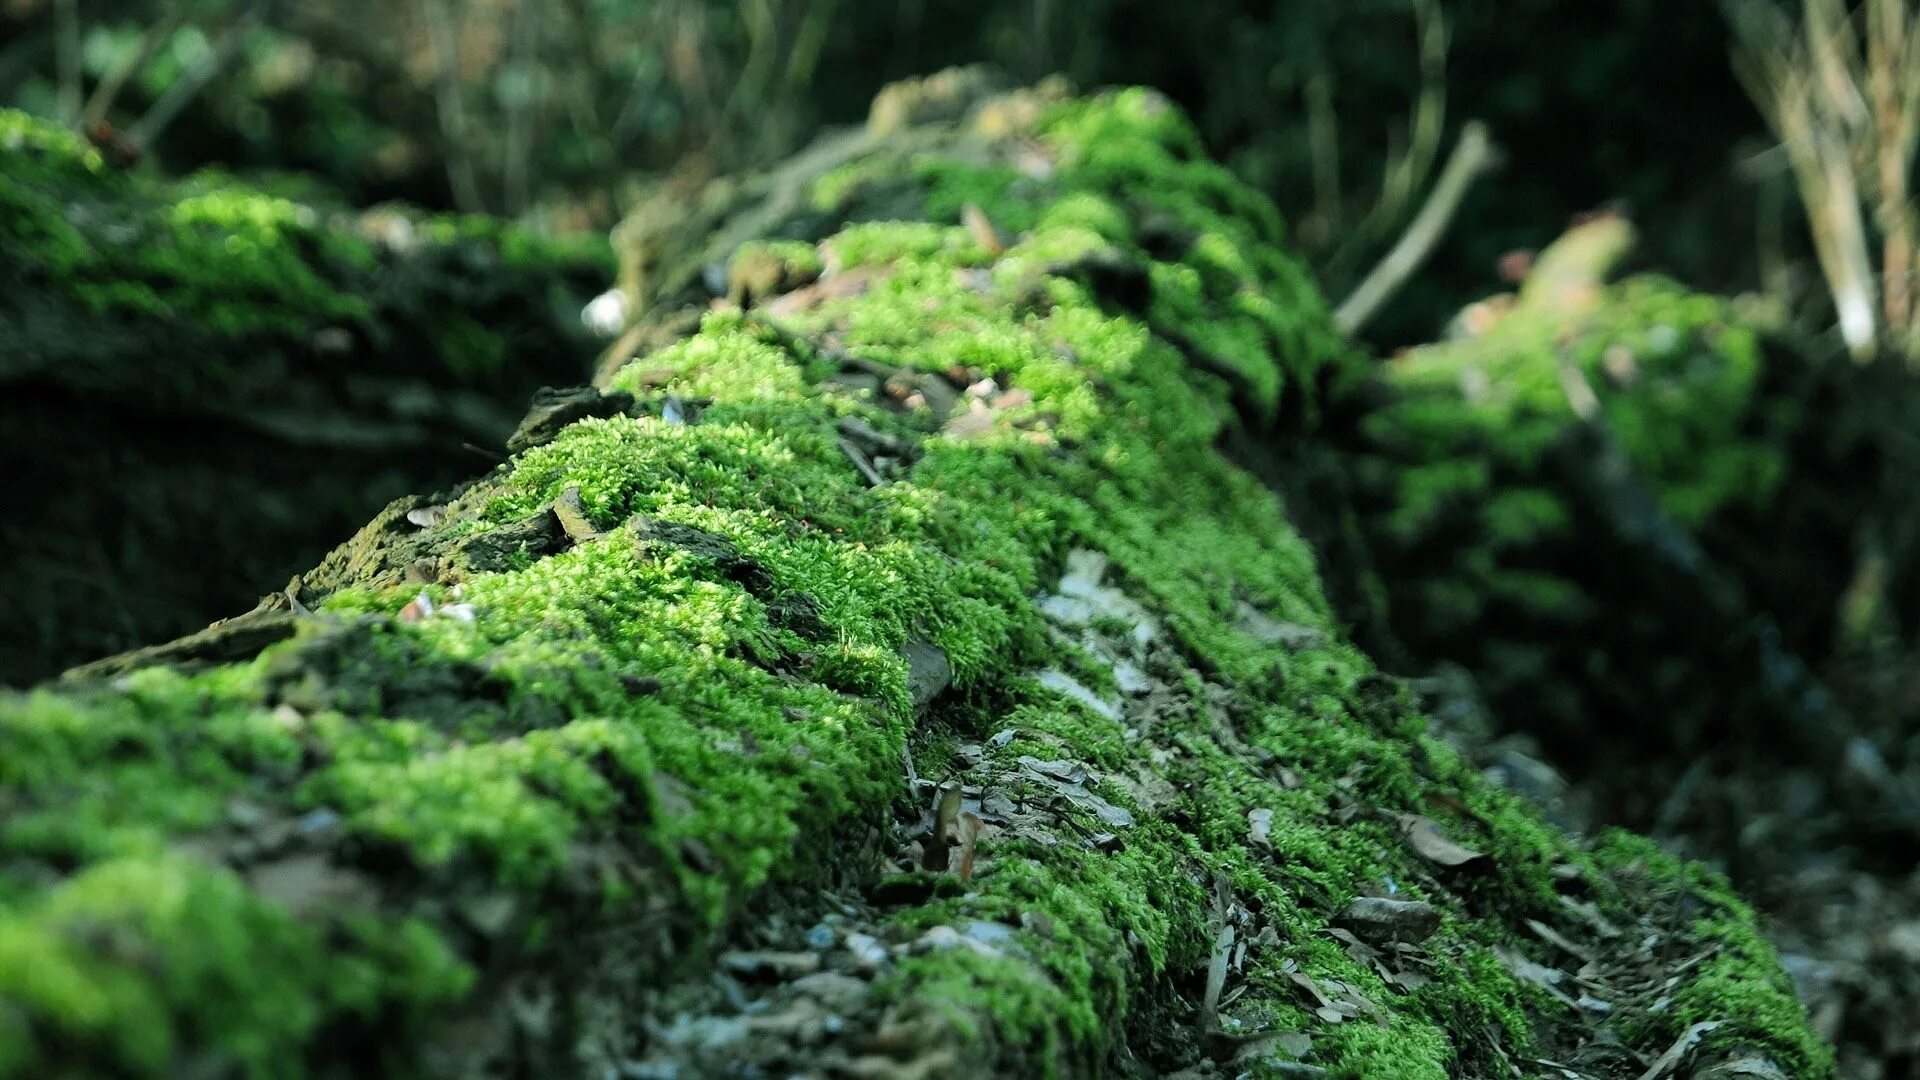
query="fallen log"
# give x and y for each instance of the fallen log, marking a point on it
(205, 383)
(884, 675)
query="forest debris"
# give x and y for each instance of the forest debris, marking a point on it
(1080, 598)
(1378, 919)
(1216, 978)
(954, 832)
(1342, 1004)
(1750, 1066)
(981, 229)
(1536, 974)
(1071, 772)
(1062, 683)
(571, 512)
(553, 409)
(869, 437)
(843, 285)
(310, 883)
(1056, 774)
(1274, 631)
(1553, 937)
(1427, 841)
(770, 965)
(1260, 827)
(862, 462)
(1688, 1039)
(977, 420)
(1236, 1046)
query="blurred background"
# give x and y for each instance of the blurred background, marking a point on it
(566, 110)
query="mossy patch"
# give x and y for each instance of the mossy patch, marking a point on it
(161, 332)
(553, 788)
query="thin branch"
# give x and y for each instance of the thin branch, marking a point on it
(447, 99)
(66, 58)
(517, 147)
(1323, 142)
(108, 89)
(1406, 172)
(1473, 156)
(177, 97)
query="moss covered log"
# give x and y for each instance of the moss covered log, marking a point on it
(883, 674)
(205, 383)
(1635, 512)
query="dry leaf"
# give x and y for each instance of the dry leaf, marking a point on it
(1427, 841)
(981, 229)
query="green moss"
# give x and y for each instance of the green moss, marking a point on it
(1676, 374)
(703, 690)
(160, 330)
(1516, 483)
(1740, 984)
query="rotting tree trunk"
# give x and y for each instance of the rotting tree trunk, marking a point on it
(1653, 526)
(884, 676)
(204, 385)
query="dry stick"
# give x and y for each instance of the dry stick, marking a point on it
(452, 116)
(1888, 67)
(188, 86)
(517, 148)
(1473, 156)
(109, 88)
(1429, 116)
(1406, 173)
(1854, 290)
(1827, 187)
(1323, 138)
(802, 60)
(66, 58)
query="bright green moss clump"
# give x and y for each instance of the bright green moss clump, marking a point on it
(228, 267)
(658, 685)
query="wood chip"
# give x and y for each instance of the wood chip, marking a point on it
(1378, 919)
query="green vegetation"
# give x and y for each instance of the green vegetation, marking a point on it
(160, 332)
(1620, 507)
(543, 747)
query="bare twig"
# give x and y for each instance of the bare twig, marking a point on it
(1406, 170)
(66, 58)
(1323, 141)
(1841, 90)
(448, 101)
(1472, 157)
(517, 147)
(163, 112)
(108, 89)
